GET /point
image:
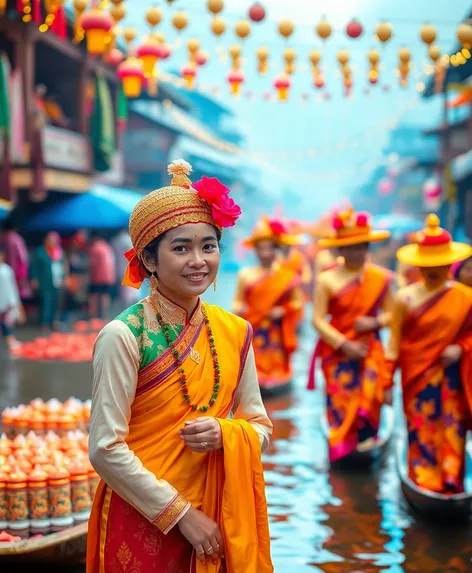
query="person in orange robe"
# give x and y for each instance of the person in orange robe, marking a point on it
(177, 423)
(431, 343)
(269, 297)
(358, 297)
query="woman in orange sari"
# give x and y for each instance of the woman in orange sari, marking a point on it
(431, 342)
(268, 296)
(358, 297)
(178, 423)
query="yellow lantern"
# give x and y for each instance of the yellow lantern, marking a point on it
(218, 26)
(343, 57)
(189, 73)
(235, 53)
(96, 25)
(373, 56)
(215, 6)
(131, 74)
(290, 56)
(324, 29)
(315, 57)
(153, 16)
(129, 35)
(404, 55)
(404, 70)
(282, 85)
(193, 46)
(235, 79)
(180, 21)
(243, 29)
(428, 34)
(464, 35)
(149, 53)
(434, 53)
(263, 56)
(286, 28)
(118, 12)
(384, 31)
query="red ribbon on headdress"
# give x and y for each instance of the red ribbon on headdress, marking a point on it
(135, 271)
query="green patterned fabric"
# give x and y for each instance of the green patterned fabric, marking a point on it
(151, 341)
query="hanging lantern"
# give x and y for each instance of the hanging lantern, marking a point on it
(118, 12)
(384, 32)
(464, 35)
(218, 26)
(129, 35)
(404, 55)
(257, 12)
(201, 58)
(354, 29)
(235, 53)
(159, 37)
(149, 53)
(282, 85)
(263, 56)
(165, 51)
(428, 34)
(343, 57)
(243, 29)
(79, 6)
(131, 74)
(193, 46)
(290, 56)
(180, 21)
(114, 57)
(96, 25)
(374, 59)
(324, 29)
(235, 79)
(434, 53)
(153, 16)
(189, 73)
(286, 28)
(215, 6)
(318, 81)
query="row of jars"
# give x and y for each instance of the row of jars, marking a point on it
(40, 417)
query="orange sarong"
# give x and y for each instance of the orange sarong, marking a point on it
(437, 400)
(354, 389)
(274, 340)
(226, 485)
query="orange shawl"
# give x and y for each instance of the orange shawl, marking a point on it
(444, 319)
(229, 486)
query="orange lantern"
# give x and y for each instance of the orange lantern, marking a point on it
(114, 57)
(180, 21)
(235, 79)
(282, 85)
(96, 25)
(149, 53)
(428, 34)
(153, 16)
(324, 29)
(290, 56)
(129, 35)
(374, 58)
(263, 56)
(404, 55)
(243, 29)
(286, 28)
(218, 26)
(215, 6)
(189, 73)
(464, 35)
(434, 53)
(118, 12)
(131, 74)
(193, 46)
(343, 57)
(384, 32)
(235, 53)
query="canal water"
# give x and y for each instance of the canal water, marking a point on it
(321, 520)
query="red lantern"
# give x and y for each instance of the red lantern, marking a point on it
(257, 12)
(96, 25)
(201, 58)
(189, 74)
(149, 53)
(282, 85)
(354, 29)
(115, 57)
(235, 79)
(131, 74)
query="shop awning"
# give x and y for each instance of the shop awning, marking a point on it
(5, 208)
(102, 207)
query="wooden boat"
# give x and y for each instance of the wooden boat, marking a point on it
(64, 548)
(367, 453)
(445, 508)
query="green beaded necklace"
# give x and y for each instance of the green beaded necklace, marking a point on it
(178, 360)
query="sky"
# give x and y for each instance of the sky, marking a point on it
(319, 149)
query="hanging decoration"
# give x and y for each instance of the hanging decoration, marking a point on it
(97, 25)
(464, 35)
(324, 29)
(218, 26)
(428, 34)
(286, 29)
(79, 8)
(118, 12)
(290, 56)
(354, 29)
(153, 17)
(263, 58)
(55, 19)
(434, 53)
(131, 74)
(202, 58)
(404, 57)
(180, 21)
(282, 84)
(384, 32)
(242, 29)
(235, 54)
(343, 60)
(114, 57)
(215, 6)
(149, 53)
(189, 71)
(129, 35)
(257, 12)
(315, 58)
(235, 79)
(189, 74)
(374, 59)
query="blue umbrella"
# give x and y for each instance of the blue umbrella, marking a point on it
(5, 208)
(102, 207)
(397, 224)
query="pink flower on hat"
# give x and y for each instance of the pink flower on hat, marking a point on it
(224, 210)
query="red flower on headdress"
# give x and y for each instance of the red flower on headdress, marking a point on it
(224, 210)
(363, 219)
(337, 223)
(276, 227)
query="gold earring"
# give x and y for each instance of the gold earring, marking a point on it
(154, 284)
(214, 284)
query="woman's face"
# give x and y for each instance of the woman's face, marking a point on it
(51, 240)
(188, 258)
(435, 276)
(465, 275)
(266, 252)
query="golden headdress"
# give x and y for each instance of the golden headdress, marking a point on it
(182, 202)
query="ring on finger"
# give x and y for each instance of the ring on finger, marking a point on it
(209, 550)
(204, 445)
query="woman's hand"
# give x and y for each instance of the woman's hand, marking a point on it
(202, 435)
(451, 355)
(354, 350)
(203, 533)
